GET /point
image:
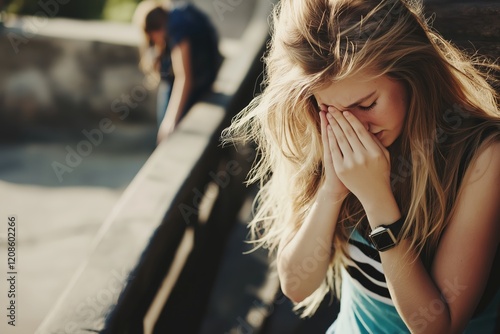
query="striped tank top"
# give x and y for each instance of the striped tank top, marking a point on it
(366, 305)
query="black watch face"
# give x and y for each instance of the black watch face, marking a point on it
(382, 240)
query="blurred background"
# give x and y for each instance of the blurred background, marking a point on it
(77, 125)
(68, 76)
(108, 10)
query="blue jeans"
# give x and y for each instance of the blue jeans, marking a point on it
(163, 97)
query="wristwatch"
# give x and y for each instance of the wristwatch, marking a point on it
(385, 237)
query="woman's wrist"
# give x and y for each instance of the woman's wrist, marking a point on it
(382, 210)
(331, 195)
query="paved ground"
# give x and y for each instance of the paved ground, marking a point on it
(57, 221)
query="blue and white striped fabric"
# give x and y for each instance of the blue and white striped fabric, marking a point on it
(366, 304)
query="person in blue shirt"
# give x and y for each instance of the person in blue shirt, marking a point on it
(186, 55)
(379, 168)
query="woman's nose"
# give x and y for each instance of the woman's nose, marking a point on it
(363, 119)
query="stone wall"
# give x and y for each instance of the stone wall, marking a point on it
(66, 83)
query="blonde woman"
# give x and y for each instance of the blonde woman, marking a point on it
(379, 170)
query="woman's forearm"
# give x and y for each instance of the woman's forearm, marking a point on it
(412, 288)
(303, 258)
(182, 86)
(417, 298)
(178, 99)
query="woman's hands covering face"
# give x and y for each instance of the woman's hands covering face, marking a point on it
(360, 161)
(332, 186)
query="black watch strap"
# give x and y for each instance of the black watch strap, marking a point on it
(396, 227)
(385, 237)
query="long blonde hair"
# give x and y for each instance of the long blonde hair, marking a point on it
(452, 115)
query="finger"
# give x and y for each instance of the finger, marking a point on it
(364, 136)
(335, 150)
(323, 122)
(340, 137)
(346, 127)
(381, 146)
(327, 156)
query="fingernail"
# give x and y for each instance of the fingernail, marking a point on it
(331, 109)
(346, 113)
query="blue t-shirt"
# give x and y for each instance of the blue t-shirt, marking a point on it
(187, 22)
(366, 305)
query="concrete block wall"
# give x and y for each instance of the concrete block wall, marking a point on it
(65, 83)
